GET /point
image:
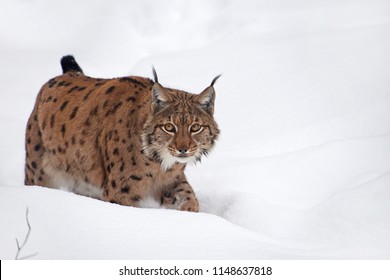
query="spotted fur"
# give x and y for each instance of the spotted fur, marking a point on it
(124, 140)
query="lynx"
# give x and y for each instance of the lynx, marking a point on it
(123, 140)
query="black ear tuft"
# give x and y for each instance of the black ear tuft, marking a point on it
(69, 64)
(215, 79)
(155, 78)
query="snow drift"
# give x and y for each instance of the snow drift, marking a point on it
(302, 168)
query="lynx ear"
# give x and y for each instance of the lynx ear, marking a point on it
(207, 97)
(159, 97)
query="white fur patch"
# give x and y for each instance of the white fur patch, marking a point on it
(87, 189)
(149, 202)
(168, 160)
(62, 181)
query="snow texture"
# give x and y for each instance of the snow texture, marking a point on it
(302, 167)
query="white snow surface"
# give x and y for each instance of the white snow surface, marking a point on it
(302, 167)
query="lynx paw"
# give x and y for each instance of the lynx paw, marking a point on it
(191, 205)
(181, 203)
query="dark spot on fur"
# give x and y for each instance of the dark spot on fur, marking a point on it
(131, 98)
(81, 88)
(52, 83)
(73, 140)
(87, 122)
(74, 113)
(63, 106)
(34, 164)
(37, 147)
(61, 83)
(116, 151)
(125, 189)
(113, 110)
(52, 121)
(116, 107)
(113, 184)
(135, 198)
(63, 129)
(178, 184)
(94, 111)
(73, 89)
(87, 95)
(110, 90)
(44, 125)
(136, 178)
(122, 167)
(82, 142)
(125, 79)
(134, 81)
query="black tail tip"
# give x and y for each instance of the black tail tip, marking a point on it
(69, 64)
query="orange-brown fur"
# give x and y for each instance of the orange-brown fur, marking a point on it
(99, 137)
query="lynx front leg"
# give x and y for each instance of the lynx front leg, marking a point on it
(126, 181)
(180, 196)
(127, 192)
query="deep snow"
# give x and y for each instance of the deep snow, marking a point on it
(302, 166)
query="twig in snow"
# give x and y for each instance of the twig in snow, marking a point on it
(20, 247)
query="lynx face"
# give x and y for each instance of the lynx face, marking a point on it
(181, 128)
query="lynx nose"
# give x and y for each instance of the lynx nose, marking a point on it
(182, 151)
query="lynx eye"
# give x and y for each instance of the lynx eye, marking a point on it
(169, 127)
(195, 127)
